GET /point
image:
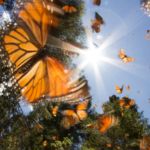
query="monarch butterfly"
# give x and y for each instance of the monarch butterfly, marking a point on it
(99, 19)
(97, 23)
(54, 111)
(97, 2)
(138, 92)
(95, 105)
(125, 58)
(119, 90)
(55, 138)
(38, 126)
(96, 27)
(91, 20)
(148, 31)
(105, 121)
(45, 143)
(128, 87)
(147, 37)
(126, 103)
(144, 143)
(69, 9)
(38, 75)
(73, 117)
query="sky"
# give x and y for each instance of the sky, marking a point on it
(126, 27)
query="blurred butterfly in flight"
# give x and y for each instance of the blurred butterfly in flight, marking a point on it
(106, 121)
(73, 117)
(97, 23)
(124, 57)
(24, 49)
(128, 87)
(119, 90)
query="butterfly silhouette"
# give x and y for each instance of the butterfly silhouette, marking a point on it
(97, 23)
(38, 75)
(123, 56)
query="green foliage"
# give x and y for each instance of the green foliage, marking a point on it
(85, 148)
(65, 144)
(12, 121)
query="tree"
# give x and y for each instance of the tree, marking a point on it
(51, 127)
(12, 121)
(126, 135)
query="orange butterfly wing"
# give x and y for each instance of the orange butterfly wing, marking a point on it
(67, 122)
(68, 112)
(54, 111)
(97, 2)
(105, 121)
(2, 2)
(45, 143)
(130, 59)
(46, 77)
(147, 37)
(72, 9)
(55, 138)
(122, 102)
(128, 87)
(66, 8)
